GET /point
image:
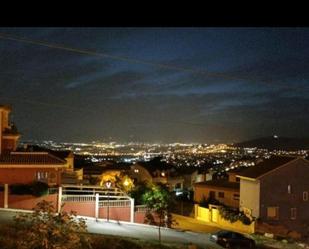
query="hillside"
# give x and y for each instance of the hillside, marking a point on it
(276, 143)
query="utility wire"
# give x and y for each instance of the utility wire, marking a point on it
(119, 58)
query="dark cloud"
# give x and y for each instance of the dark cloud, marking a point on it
(201, 85)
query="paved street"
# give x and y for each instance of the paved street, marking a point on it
(136, 231)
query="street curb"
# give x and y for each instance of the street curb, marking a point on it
(123, 222)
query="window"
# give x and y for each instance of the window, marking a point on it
(41, 176)
(289, 189)
(293, 213)
(212, 194)
(236, 197)
(273, 213)
(221, 194)
(305, 196)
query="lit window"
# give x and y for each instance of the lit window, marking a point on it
(273, 213)
(236, 197)
(221, 194)
(293, 213)
(305, 196)
(289, 189)
(136, 170)
(163, 174)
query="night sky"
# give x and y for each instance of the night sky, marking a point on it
(157, 84)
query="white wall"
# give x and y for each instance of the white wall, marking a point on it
(250, 196)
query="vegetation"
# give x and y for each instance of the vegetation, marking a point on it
(35, 188)
(44, 229)
(234, 215)
(138, 192)
(112, 242)
(158, 201)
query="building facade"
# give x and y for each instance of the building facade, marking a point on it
(276, 192)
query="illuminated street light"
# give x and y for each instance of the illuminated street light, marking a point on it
(108, 184)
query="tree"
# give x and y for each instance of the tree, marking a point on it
(138, 192)
(45, 229)
(158, 201)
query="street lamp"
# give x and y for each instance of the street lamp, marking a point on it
(108, 184)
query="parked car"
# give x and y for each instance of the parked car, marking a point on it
(229, 239)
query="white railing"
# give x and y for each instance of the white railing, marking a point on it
(78, 198)
(113, 203)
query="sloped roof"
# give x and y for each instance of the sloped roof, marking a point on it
(220, 183)
(6, 107)
(264, 167)
(30, 158)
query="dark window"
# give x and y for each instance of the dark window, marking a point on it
(236, 197)
(293, 213)
(221, 194)
(212, 194)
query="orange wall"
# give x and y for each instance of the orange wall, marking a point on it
(28, 202)
(81, 208)
(115, 213)
(11, 176)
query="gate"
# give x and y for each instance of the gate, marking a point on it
(97, 202)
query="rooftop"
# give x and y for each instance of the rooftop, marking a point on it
(6, 107)
(220, 183)
(265, 166)
(30, 158)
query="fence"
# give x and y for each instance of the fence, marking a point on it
(93, 202)
(115, 203)
(78, 198)
(214, 218)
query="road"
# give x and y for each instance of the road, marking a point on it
(137, 231)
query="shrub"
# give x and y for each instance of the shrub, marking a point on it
(35, 188)
(234, 215)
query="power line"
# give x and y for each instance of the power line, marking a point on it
(135, 61)
(119, 58)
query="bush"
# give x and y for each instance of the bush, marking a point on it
(234, 215)
(35, 188)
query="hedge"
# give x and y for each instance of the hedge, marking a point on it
(35, 188)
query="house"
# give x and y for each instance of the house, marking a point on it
(276, 191)
(8, 133)
(24, 167)
(226, 191)
(70, 175)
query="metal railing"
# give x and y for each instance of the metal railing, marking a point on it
(78, 198)
(115, 203)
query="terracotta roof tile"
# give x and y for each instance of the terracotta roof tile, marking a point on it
(30, 158)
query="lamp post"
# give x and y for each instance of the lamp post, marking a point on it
(108, 184)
